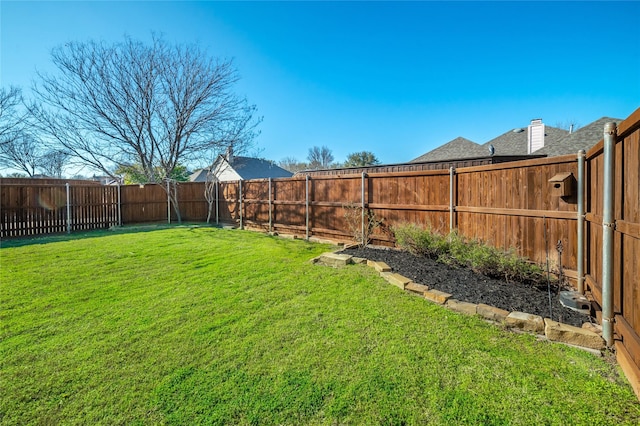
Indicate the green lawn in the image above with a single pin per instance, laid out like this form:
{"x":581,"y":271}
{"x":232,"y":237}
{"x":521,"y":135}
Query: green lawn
{"x":198,"y":325}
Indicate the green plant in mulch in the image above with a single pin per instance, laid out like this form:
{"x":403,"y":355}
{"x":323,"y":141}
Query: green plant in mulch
{"x":455,"y":250}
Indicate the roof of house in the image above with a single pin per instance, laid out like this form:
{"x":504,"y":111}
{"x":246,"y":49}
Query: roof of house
{"x":514,"y":142}
{"x":257,"y":168}
{"x":247,"y":168}
{"x":583,"y":138}
{"x":457,"y":148}
{"x":198,"y":176}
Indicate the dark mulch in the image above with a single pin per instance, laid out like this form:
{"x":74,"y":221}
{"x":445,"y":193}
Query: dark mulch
{"x":466,"y":285}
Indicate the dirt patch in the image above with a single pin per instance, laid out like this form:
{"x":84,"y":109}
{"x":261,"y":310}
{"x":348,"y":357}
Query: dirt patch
{"x":468,"y":286}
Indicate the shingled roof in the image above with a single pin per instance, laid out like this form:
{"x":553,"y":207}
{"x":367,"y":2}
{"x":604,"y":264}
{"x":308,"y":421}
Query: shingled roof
{"x":257,"y":168}
{"x":457,"y":148}
{"x":514,"y":142}
{"x":243,"y":168}
{"x":583,"y":138}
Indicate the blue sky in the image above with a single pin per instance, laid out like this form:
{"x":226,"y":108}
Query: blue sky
{"x":397,"y":79}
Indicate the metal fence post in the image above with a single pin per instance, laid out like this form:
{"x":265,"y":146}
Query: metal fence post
{"x":119,"y":206}
{"x":168,"y":203}
{"x":217,"y":203}
{"x":608,"y":224}
{"x":363,"y":205}
{"x":68,"y":209}
{"x":451,"y":193}
{"x":241,"y":206}
{"x":307,"y":205}
{"x":270,"y":209}
{"x":580,"y":251}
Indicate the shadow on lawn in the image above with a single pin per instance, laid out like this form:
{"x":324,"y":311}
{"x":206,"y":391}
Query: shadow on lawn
{"x":81,"y":235}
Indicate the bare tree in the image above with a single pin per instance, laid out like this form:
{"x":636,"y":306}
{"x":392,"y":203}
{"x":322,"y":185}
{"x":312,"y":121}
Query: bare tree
{"x":18,"y":150}
{"x":52,"y":163}
{"x":361,"y":159}
{"x":11,"y":118}
{"x":210,"y":194}
{"x":292,"y":164}
{"x":320,"y":157}
{"x":21,"y":152}
{"x":570,"y":125}
{"x":156,"y":105}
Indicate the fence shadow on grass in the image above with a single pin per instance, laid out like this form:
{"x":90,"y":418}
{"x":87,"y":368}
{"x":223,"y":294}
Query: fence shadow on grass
{"x":127,"y":229}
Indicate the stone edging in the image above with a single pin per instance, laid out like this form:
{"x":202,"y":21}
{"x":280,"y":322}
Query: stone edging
{"x":588,"y":337}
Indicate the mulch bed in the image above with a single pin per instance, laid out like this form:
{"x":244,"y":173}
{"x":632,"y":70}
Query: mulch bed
{"x":465,"y":285}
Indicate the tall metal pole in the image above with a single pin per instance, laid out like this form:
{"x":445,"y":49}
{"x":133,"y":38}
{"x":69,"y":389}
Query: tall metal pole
{"x":217,"y":203}
{"x":580,"y":253}
{"x":363,"y":205}
{"x":608,"y":223}
{"x":451,"y":173}
{"x":119,"y":205}
{"x":307,"y":206}
{"x":168,"y":203}
{"x":241,"y":206}
{"x":68,"y":209}
{"x":270,"y":209}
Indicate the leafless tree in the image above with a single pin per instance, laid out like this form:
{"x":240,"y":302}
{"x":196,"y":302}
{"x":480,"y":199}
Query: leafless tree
{"x":292,"y":164}
{"x":320,"y":157}
{"x":156,"y":105}
{"x":18,"y":149}
{"x":210,"y":186}
{"x":52,"y":163}
{"x":11,"y":118}
{"x":569,"y":125}
{"x":21,"y":152}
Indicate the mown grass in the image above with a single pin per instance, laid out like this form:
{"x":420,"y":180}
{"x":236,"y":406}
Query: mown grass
{"x":207,"y":326}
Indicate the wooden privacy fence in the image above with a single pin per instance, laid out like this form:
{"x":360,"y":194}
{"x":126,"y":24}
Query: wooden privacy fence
{"x":612,"y":269}
{"x":510,"y":205}
{"x":47,"y":209}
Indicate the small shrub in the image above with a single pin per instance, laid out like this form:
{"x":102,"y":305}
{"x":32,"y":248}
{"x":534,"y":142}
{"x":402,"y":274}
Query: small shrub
{"x":419,"y":241}
{"x":455,"y":250}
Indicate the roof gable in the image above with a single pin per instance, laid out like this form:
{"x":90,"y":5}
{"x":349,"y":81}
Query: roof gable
{"x":457,"y":148}
{"x":198,"y":176}
{"x":241,"y":168}
{"x":247,"y":168}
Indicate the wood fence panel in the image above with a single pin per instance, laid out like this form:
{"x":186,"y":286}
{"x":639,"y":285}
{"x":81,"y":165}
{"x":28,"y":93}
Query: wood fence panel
{"x":627,"y":239}
{"x":626,"y":269}
{"x":515,"y":208}
{"x":330,"y":200}
{"x":42,"y":209}
{"x":255,"y":194}
{"x":410,"y":198}
{"x":229,"y":201}
{"x":193,"y":205}
{"x":289,"y":197}
{"x":93,"y":207}
{"x":143,"y":203}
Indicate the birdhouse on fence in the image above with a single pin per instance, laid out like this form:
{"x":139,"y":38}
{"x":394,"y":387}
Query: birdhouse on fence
{"x":562,"y":184}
